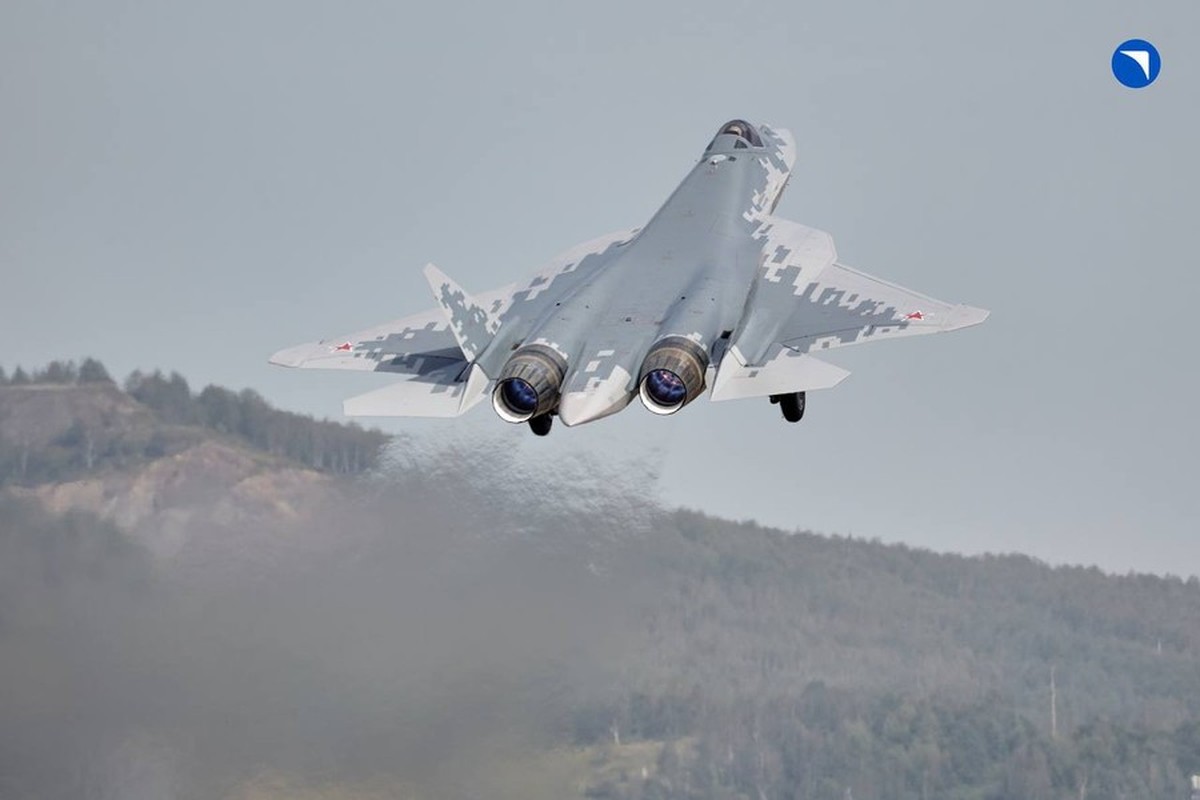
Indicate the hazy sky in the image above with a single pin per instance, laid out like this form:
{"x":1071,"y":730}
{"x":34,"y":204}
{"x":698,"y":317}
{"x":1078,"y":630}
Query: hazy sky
{"x":195,"y":185}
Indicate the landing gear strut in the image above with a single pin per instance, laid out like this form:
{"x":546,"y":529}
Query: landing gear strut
{"x":791,"y":404}
{"x":541,"y":425}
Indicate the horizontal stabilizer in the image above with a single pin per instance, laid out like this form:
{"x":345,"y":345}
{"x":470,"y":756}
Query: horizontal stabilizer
{"x":785,"y":373}
{"x":447,"y":397}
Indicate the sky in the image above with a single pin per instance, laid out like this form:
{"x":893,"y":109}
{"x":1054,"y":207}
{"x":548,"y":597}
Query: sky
{"x":195,"y":185}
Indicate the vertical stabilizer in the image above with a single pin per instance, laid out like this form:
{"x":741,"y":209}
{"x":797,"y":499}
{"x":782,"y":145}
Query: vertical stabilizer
{"x":473,"y":327}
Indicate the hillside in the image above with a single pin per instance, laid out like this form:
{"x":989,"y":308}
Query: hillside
{"x":195,"y":477}
{"x":189,"y":608}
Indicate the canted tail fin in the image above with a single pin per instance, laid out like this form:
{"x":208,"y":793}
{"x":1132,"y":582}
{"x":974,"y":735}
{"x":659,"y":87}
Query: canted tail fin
{"x":473,"y":327}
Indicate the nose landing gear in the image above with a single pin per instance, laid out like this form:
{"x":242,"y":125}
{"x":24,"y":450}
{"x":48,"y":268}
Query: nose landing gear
{"x":791,"y":404}
{"x":541,"y":425}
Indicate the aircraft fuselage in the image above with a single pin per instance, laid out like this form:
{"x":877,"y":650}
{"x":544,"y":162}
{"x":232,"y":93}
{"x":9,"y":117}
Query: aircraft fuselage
{"x":686,"y":273}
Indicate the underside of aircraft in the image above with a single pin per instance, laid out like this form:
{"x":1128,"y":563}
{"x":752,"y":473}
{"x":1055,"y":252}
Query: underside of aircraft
{"x":714,"y":292}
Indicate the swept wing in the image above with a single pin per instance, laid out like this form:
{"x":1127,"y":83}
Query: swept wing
{"x":433,"y":349}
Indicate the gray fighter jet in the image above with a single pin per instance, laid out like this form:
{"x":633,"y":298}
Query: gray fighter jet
{"x":713,"y":291}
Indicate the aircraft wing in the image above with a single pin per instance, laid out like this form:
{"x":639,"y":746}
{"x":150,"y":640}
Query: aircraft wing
{"x":414,"y":346}
{"x":434,"y":348}
{"x":804,"y":301}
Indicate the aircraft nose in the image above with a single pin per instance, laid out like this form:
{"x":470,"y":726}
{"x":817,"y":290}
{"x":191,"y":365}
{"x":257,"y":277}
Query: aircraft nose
{"x":599,"y":397}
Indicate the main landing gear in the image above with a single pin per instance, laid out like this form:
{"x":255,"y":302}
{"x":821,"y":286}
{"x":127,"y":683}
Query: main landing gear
{"x":541,"y":425}
{"x":791,"y":404}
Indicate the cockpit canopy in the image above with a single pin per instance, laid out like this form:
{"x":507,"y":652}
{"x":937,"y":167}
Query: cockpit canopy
{"x":745,"y":135}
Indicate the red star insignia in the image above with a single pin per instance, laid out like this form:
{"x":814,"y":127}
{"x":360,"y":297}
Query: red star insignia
{"x":343,"y":347}
{"x":917,"y":315}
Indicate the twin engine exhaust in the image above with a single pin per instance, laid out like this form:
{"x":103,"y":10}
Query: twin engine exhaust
{"x":529,"y":384}
{"x":672,"y":374}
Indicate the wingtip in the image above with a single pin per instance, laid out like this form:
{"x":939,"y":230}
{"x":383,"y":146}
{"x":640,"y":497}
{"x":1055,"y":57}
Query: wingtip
{"x":308,"y":354}
{"x":288,"y":357}
{"x":966,"y":316}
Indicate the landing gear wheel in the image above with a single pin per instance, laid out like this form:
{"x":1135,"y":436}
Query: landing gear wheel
{"x":792,"y":406}
{"x":541,"y":425}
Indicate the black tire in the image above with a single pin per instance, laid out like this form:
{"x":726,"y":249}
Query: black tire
{"x":792,"y":406}
{"x":541,"y":425}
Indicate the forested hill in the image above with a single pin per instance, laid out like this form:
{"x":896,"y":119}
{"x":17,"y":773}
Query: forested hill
{"x":64,"y":420}
{"x":200,"y":597}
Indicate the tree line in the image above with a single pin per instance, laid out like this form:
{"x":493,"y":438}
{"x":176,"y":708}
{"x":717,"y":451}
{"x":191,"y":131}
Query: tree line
{"x":100,"y":438}
{"x":829,"y":744}
{"x":61,"y":373}
{"x":334,"y":447}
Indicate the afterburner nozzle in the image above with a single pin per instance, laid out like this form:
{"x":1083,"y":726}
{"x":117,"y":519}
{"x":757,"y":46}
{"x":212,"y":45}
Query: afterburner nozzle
{"x":529,"y":384}
{"x":672,"y":374}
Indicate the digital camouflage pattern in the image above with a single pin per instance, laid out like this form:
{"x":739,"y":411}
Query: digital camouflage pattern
{"x":757,"y":295}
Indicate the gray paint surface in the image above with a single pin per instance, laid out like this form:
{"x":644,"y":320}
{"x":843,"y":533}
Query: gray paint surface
{"x":185,"y":184}
{"x":748,"y":291}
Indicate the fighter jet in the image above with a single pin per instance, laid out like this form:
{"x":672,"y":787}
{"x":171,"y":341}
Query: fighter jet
{"x":714,"y":291}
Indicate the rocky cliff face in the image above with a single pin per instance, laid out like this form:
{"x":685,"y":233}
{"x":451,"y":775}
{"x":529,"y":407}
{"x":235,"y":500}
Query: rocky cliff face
{"x":189,"y":495}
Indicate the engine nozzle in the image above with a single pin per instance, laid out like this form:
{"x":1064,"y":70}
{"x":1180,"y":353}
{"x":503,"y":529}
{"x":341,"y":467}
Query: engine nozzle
{"x":672,"y":374}
{"x":529,"y":384}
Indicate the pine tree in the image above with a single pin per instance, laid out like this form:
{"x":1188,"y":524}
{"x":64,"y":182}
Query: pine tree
{"x":57,"y":372}
{"x":92,"y":371}
{"x":170,"y":397}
